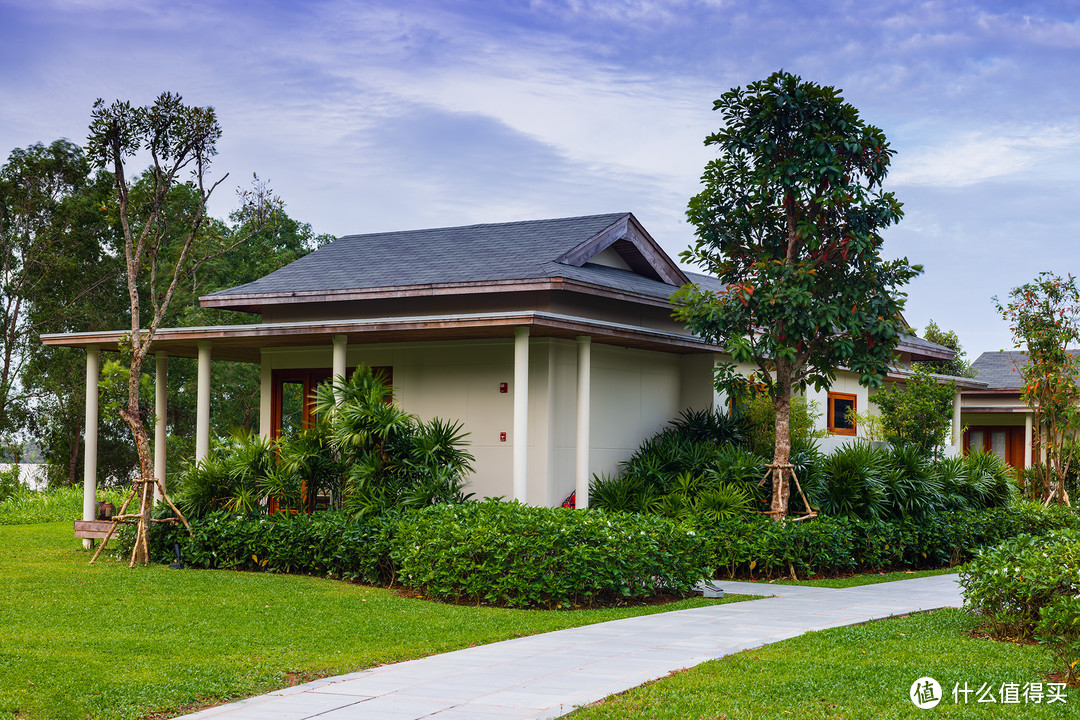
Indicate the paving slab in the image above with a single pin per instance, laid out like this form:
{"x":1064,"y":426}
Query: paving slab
{"x":549,"y":675}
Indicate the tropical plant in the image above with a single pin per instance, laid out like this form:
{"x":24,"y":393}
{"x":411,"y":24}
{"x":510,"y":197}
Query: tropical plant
{"x":851,"y":482}
{"x":620,"y":493}
{"x":391,"y":458}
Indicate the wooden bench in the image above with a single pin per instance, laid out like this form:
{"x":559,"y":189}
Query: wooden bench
{"x":93,"y":529}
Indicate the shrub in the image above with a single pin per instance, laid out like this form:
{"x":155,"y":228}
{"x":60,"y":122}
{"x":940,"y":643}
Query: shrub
{"x":510,"y":554}
{"x":918,"y":413}
{"x":1010,"y":584}
{"x":754,"y":546}
{"x":330,"y":544}
{"x":1059,"y":629}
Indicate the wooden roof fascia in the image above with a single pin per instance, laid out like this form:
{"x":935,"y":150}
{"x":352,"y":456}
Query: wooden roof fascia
{"x":254,"y":303}
{"x":245,"y":339}
{"x":638,"y":248}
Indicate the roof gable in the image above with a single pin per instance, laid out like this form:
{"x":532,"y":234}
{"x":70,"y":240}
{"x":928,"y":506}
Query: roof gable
{"x":634,"y":245}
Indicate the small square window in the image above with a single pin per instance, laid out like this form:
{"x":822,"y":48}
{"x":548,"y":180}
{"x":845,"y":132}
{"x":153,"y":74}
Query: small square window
{"x":842,"y":409}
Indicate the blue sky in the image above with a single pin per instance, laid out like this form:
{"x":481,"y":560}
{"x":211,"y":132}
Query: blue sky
{"x":369,"y":116}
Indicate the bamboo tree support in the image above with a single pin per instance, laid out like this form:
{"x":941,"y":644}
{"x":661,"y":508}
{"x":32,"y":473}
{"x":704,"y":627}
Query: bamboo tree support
{"x":138,"y":486}
{"x":787,"y":469}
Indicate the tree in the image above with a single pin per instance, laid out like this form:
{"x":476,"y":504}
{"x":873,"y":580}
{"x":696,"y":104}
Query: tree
{"x":789,"y":221}
{"x":160,"y":247}
{"x":958,"y":366}
{"x":1044,"y":317}
{"x":34,"y":184}
{"x":918,"y":413}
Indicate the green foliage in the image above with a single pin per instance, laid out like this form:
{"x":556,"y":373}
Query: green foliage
{"x":510,"y":554}
{"x":1059,"y":629}
{"x":328,"y":544}
{"x":761,"y":416}
{"x":365,"y":454}
{"x":391,"y":458}
{"x":752,"y":546}
{"x":41,"y":506}
{"x":917,"y":413}
{"x":238,"y":475}
{"x":851,"y":482}
{"x":1009,"y":584}
{"x":10,"y":482}
{"x":861,"y":480}
{"x":710,"y":426}
{"x":696,"y":465}
{"x":789,"y":223}
{"x":958,"y":366}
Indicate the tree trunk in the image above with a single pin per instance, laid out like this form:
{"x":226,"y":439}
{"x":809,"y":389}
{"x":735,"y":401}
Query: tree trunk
{"x":133,"y":417}
{"x":781,"y":456}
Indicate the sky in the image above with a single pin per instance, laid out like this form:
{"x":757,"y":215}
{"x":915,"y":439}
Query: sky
{"x":395,"y":115}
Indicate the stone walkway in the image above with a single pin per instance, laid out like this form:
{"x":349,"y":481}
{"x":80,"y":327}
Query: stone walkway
{"x":548,"y":675}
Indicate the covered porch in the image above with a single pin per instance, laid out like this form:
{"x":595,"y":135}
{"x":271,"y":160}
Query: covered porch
{"x":547,"y":397}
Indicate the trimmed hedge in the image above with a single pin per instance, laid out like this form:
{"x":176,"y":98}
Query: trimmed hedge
{"x":511,"y":554}
{"x":748,"y":547}
{"x":491,"y":552}
{"x":330,"y":544}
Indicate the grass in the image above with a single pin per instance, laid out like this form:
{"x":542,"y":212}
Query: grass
{"x":854,"y":673}
{"x":107,"y":642}
{"x":867,"y":578}
{"x":64,"y":504}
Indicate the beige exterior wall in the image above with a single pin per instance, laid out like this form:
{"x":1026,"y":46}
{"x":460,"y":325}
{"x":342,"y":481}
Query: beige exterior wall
{"x":634,"y":394}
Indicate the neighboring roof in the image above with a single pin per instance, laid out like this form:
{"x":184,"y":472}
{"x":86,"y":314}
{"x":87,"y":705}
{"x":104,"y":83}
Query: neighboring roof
{"x":1001,"y":370}
{"x":481,"y":255}
{"x":924,"y":349}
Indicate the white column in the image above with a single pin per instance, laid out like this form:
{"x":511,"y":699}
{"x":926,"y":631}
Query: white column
{"x":202,"y":405}
{"x":584,"y":417}
{"x":521,"y":412}
{"x":339,"y":360}
{"x":90,"y":438}
{"x":266,"y":377}
{"x":1029,"y":431}
{"x":957,"y":436}
{"x":160,"y":411}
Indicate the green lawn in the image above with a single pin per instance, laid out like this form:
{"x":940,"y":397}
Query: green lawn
{"x":107,"y":642}
{"x":861,"y":672}
{"x":865,"y":579}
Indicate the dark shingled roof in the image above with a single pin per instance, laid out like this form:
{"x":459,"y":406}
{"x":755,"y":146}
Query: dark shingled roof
{"x":996,"y":369}
{"x":474,"y":253}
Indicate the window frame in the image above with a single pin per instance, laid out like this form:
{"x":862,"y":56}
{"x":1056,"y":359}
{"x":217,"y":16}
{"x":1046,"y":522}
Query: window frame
{"x":832,"y":397}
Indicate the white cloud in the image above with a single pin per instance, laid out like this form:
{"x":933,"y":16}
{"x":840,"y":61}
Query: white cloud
{"x":975,"y":157}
